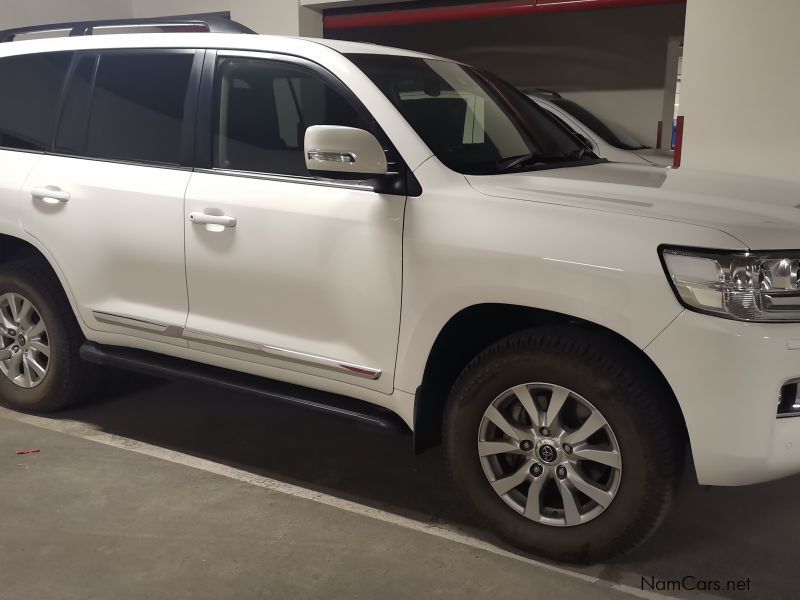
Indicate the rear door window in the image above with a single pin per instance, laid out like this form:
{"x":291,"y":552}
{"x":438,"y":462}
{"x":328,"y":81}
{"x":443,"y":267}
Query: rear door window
{"x":138,"y":106}
{"x":30,"y":90}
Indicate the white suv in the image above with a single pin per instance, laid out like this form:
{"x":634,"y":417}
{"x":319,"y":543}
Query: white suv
{"x":406,"y":241}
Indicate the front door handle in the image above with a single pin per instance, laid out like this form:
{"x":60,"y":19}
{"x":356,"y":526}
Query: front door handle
{"x":199,"y":218}
{"x":50,"y":194}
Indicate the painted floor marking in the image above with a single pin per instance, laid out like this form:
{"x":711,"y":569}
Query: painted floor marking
{"x":441,"y":530}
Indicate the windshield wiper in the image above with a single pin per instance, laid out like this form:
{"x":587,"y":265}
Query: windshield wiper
{"x":533,"y":158}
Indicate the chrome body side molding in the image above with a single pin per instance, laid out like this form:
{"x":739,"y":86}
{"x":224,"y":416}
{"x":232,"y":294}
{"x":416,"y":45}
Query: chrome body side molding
{"x":137,"y":323}
{"x":221,"y":340}
{"x":293,"y":356}
{"x":322,"y":362}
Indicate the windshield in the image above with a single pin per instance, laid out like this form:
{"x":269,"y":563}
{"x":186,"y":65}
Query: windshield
{"x":611,"y":132}
{"x":473,"y":122}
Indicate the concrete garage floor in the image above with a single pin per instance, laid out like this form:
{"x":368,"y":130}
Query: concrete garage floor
{"x":196,"y":493}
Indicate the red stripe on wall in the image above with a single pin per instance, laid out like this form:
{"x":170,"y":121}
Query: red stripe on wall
{"x":471,"y":12}
{"x":678,"y":143}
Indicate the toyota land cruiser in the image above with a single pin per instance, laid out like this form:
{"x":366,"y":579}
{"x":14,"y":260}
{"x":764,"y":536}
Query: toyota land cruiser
{"x":406,"y":241}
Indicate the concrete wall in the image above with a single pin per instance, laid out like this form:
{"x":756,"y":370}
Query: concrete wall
{"x":281,"y":17}
{"x":284,"y":17}
{"x":17,"y":13}
{"x":740,"y":87}
{"x":612,"y":61}
{"x":159,"y":8}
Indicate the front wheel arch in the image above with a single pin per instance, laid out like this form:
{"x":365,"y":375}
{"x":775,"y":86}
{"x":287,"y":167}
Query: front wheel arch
{"x":475,"y":328}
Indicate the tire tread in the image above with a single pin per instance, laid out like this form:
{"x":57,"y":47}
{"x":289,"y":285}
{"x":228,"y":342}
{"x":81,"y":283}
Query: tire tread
{"x":646,"y":399}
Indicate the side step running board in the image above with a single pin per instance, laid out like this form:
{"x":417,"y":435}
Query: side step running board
{"x":168,"y":367}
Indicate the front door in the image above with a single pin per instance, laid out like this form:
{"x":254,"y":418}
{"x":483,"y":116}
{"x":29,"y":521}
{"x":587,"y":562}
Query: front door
{"x":285,"y":270}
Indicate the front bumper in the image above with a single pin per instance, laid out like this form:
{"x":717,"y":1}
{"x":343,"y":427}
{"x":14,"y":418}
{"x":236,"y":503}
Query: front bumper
{"x":727,"y":377}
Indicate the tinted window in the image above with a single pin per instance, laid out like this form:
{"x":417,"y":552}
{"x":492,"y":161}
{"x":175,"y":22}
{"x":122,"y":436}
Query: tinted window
{"x":263,"y":110}
{"x":30,"y":89}
{"x":138,"y":106}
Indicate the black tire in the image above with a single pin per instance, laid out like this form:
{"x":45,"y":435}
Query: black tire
{"x":68,"y":379}
{"x":640,"y":412}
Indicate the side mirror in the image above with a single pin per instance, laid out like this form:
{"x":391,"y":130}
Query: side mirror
{"x":343,"y":153}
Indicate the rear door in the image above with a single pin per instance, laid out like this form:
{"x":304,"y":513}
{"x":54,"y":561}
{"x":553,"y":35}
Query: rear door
{"x":108,"y":201}
{"x":30,"y":85}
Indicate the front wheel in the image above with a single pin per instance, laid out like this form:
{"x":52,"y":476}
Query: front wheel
{"x":563,"y":444}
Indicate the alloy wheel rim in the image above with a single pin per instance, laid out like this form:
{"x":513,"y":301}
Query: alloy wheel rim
{"x":24,"y":342}
{"x":550,"y":454}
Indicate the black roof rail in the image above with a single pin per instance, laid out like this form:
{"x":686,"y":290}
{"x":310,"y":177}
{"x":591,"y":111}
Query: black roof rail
{"x":82,"y":28}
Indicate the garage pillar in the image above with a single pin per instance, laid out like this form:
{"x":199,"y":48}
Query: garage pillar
{"x":739,"y":87}
{"x":674,"y":52}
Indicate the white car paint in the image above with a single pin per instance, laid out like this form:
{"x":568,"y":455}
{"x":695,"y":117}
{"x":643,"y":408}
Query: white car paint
{"x":141,"y":267}
{"x":282,"y":281}
{"x":579,"y":241}
{"x":601,"y":147}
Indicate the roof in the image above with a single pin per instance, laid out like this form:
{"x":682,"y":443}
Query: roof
{"x":346,"y":47}
{"x":306,"y":47}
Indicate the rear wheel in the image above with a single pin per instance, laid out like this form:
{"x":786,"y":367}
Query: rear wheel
{"x":40,"y":370}
{"x":25,"y":352}
{"x":564,"y":444}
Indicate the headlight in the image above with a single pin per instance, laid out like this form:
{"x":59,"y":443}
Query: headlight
{"x":748,"y":286}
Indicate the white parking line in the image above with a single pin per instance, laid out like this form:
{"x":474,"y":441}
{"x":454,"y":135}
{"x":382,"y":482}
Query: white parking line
{"x":444,"y":531}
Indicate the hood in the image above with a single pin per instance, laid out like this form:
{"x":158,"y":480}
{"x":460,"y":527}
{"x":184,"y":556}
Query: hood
{"x":763,"y":214}
{"x":660,"y":158}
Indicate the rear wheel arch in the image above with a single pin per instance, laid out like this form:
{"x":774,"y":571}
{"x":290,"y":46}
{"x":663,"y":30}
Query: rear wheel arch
{"x":41,"y":368}
{"x":475,"y":328}
{"x":15,"y":249}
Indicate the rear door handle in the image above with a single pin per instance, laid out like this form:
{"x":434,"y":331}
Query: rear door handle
{"x":199,"y":218}
{"x":50,"y":194}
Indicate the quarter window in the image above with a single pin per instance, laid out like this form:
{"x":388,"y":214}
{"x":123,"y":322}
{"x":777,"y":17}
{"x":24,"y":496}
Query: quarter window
{"x":138,"y":106}
{"x":30,"y":88}
{"x":263,"y":110}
